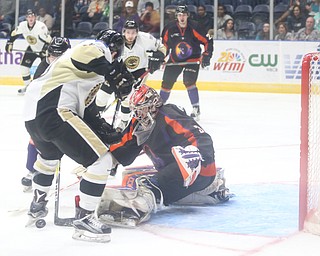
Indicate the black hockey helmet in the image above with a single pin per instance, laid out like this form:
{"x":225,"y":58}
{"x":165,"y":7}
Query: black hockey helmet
{"x":182,"y":9}
{"x":112,"y":39}
{"x":131,"y":24}
{"x":58,"y":46}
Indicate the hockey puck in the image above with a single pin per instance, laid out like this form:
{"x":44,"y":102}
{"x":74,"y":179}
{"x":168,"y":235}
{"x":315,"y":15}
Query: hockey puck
{"x":40,"y":223}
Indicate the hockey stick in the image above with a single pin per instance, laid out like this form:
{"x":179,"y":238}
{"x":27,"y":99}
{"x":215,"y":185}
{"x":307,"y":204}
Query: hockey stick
{"x":181,"y":63}
{"x":18,"y":50}
{"x":57,"y":220}
{"x":116,"y":112}
{"x":111,"y":104}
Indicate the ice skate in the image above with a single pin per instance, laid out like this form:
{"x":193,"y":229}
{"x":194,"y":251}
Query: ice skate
{"x":22,"y":91}
{"x":196,"y":113}
{"x":38,"y":209}
{"x":88,"y":228}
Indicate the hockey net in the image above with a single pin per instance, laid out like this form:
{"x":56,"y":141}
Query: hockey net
{"x":309,"y":205}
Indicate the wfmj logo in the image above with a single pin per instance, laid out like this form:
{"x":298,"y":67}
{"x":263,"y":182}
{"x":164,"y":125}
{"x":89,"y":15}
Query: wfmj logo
{"x":231,"y":60}
{"x":292,"y":68}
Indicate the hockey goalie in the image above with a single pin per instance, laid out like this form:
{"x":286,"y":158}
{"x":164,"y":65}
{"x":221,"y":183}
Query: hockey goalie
{"x":182,"y":155}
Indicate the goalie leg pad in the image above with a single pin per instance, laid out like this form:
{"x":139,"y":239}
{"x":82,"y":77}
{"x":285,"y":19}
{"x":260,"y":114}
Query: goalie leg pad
{"x":126,"y":207}
{"x":214,"y":194}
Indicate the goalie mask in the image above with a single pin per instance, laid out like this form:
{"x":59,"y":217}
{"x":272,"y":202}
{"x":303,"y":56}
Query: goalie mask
{"x":112,"y":39}
{"x":144,"y":104}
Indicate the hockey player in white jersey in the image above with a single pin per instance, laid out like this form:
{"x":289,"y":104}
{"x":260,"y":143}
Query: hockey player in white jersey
{"x":62,"y":119}
{"x":38,"y":38}
{"x":142,"y":54}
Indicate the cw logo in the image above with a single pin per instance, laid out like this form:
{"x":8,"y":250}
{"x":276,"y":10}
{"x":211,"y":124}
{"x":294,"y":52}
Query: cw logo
{"x":262,"y":60}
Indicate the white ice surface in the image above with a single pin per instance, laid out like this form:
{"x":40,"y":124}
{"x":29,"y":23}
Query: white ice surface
{"x":256,"y":138}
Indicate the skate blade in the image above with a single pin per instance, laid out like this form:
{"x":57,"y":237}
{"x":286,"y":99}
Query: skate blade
{"x":125,"y":222}
{"x":87,"y":236}
{"x":32,"y":221}
{"x":27,"y":189}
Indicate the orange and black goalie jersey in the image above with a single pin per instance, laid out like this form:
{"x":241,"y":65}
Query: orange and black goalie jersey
{"x":173,"y":127}
{"x":185,"y":43}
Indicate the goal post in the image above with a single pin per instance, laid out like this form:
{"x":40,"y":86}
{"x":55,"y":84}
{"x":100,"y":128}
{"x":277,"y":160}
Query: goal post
{"x":309,"y":187}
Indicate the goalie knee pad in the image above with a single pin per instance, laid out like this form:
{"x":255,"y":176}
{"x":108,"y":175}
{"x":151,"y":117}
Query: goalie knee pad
{"x":215,"y":193}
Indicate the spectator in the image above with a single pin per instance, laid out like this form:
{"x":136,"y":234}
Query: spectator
{"x":68,"y":22}
{"x":35,"y":5}
{"x":95,"y":10}
{"x":4,"y":31}
{"x":227,"y":31}
{"x":222,"y":16}
{"x":7,"y":11}
{"x":130,"y":14}
{"x":305,"y":8}
{"x":80,"y":3}
{"x":308,"y":33}
{"x":142,"y":5}
{"x":283,"y":33}
{"x":46,"y":18}
{"x":296,"y":20}
{"x":315,"y":6}
{"x":203,"y":18}
{"x":264,"y":33}
{"x":150,"y":19}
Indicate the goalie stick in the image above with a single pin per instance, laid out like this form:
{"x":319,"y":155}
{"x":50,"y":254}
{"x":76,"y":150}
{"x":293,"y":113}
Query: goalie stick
{"x":57,"y":220}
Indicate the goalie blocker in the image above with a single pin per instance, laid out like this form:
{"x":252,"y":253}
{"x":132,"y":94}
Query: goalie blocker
{"x":139,"y":196}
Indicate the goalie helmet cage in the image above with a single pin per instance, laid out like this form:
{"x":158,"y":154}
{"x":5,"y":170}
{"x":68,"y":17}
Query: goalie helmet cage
{"x":309,"y":187}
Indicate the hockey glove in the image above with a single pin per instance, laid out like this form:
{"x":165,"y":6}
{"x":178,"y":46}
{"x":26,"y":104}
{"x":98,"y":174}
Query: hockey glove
{"x":155,"y":61}
{"x":44,"y":51}
{"x":125,"y":86}
{"x":107,"y":133}
{"x":114,"y":74}
{"x":9,"y":47}
{"x":205,"y":62}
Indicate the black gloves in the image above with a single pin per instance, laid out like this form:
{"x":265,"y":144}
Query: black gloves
{"x":108,"y":134}
{"x":205,"y":62}
{"x":104,"y":130}
{"x":155,"y":61}
{"x":120,"y":80}
{"x":44,"y":51}
{"x":9,"y":47}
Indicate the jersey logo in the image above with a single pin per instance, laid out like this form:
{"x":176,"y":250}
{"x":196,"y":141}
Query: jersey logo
{"x":132,"y":62}
{"x":183,"y":50}
{"x":31,"y":40}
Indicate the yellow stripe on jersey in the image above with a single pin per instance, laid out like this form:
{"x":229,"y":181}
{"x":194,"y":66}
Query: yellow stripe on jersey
{"x":84,"y":131}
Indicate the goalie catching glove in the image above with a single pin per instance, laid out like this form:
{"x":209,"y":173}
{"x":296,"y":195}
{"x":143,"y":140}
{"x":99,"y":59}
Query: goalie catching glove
{"x":155,"y":60}
{"x":189,"y":162}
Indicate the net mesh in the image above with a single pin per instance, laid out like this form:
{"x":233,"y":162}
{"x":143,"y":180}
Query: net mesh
{"x":313,"y":165}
